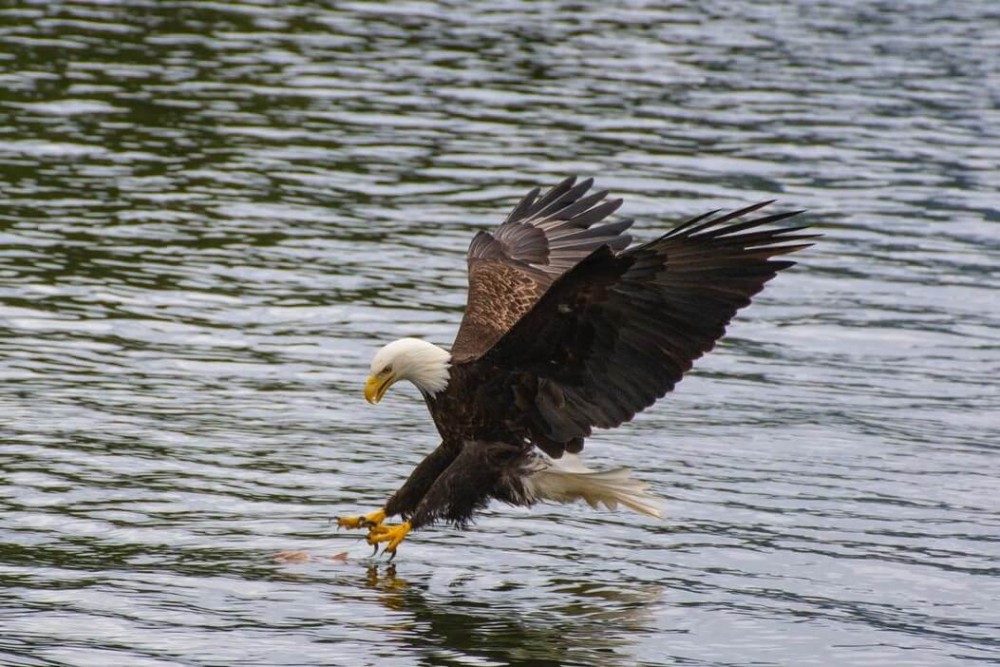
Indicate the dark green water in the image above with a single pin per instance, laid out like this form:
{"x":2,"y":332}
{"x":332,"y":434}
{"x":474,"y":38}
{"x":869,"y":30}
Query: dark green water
{"x":211,"y":215}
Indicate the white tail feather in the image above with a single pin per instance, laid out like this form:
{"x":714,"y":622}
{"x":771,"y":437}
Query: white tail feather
{"x":566,"y":480}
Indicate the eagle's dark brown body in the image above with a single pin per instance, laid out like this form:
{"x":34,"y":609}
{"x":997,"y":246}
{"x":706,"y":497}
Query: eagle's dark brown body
{"x":567,"y":329}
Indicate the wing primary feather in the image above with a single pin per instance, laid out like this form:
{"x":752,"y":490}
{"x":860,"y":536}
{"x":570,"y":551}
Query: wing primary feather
{"x":582,"y":204}
{"x":716,"y":231}
{"x":684,"y":226}
{"x":713,"y":222}
{"x":782,"y":234}
{"x":731,"y":230}
{"x":523,"y":206}
{"x":565,"y":199}
{"x":739,"y":213}
{"x":610,"y":229}
{"x":557,"y":191}
{"x":597,"y":213}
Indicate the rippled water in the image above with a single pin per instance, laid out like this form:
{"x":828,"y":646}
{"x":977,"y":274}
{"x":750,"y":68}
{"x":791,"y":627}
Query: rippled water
{"x":213,"y":213}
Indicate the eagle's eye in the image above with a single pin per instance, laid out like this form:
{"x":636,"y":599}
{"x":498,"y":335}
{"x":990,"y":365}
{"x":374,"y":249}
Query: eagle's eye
{"x":386,"y":370}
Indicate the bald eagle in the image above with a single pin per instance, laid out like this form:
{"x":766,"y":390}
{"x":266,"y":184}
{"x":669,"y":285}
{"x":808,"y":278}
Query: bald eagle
{"x":567,"y":328}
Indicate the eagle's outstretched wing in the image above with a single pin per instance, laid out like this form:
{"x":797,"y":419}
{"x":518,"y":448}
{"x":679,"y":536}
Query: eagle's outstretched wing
{"x":541,"y":239}
{"x":617,"y":331}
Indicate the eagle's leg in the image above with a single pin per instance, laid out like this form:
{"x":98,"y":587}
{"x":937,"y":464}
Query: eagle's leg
{"x":371,"y":520}
{"x":406,"y":499}
{"x":465,"y":486}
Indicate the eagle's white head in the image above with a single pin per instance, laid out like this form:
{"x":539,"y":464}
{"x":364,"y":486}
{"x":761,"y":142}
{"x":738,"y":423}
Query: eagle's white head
{"x":420,"y":362}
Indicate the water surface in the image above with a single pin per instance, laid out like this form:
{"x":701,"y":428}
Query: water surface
{"x":213,"y":213}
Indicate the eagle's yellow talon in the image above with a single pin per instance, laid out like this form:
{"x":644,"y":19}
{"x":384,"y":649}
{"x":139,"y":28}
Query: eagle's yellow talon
{"x":394,"y":535}
{"x":371,"y":520}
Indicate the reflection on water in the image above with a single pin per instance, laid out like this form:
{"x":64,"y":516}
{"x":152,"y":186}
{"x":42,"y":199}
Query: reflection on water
{"x":579,"y":624}
{"x":212,"y":213}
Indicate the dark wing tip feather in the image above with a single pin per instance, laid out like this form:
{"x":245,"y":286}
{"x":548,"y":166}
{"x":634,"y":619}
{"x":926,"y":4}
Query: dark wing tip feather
{"x":556,"y":205}
{"x":788,"y":249}
{"x":558,"y":190}
{"x":523,"y":206}
{"x":688,"y":224}
{"x":708,"y":220}
{"x":596,"y":213}
{"x":583,"y":204}
{"x":719,"y":228}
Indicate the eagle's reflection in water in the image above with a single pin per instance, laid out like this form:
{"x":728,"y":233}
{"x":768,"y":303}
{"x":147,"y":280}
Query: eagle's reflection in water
{"x":570,"y":623}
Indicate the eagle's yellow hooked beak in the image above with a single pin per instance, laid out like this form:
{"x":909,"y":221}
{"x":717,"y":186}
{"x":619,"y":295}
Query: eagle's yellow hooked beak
{"x":376,"y":387}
